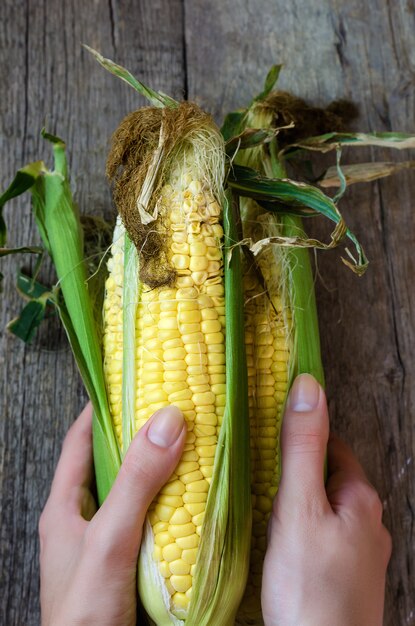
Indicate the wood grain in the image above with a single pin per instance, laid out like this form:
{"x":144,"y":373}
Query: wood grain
{"x":217,"y":53}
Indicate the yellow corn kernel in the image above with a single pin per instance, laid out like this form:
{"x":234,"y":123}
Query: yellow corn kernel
{"x":191,"y":477}
{"x":170,"y":501}
{"x":179,"y":567}
{"x":163,"y":539}
{"x":181,"y":515}
{"x":175,"y":488}
{"x":164,"y":512}
{"x":181,"y":583}
{"x":180,"y":600}
{"x":171,"y":552}
{"x":181,"y":530}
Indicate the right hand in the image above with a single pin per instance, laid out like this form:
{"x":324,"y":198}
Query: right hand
{"x":328,"y":550}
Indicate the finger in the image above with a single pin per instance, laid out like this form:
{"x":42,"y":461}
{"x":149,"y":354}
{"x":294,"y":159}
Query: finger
{"x":74,"y":471}
{"x":303,"y":447}
{"x":148,"y":464}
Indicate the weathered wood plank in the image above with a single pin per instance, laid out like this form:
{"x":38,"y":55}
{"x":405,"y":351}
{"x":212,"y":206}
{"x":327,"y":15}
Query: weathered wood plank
{"x":47,"y":78}
{"x":363,"y":52}
{"x":330,"y":50}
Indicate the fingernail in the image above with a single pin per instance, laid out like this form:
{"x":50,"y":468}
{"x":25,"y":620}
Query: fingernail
{"x":304,"y":394}
{"x":166,"y":426}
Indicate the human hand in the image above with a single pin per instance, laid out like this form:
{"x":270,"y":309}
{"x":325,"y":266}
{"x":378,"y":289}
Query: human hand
{"x":88,"y":558}
{"x":328,"y":550}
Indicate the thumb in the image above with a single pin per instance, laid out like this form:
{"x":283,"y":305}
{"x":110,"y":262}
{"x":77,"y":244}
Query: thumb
{"x":148,"y":464}
{"x":305,"y":434}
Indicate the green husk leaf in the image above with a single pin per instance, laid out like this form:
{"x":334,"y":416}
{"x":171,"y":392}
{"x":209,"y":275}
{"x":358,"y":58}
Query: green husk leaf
{"x":270,"y":82}
{"x":56,"y":210}
{"x":248,"y":183}
{"x":77,"y":352}
{"x":106,"y":463}
{"x":23,"y":181}
{"x":248,"y":139}
{"x":341,"y":177}
{"x":25,"y":325}
{"x":363,"y":172}
{"x":330,"y":141}
{"x":157,"y":99}
{"x":58,"y":221}
{"x":21,"y":249}
{"x":56,"y":140}
{"x":30,"y":288}
{"x":131,"y":296}
{"x":233,"y":124}
{"x":32,"y":315}
{"x":306,"y":349}
{"x":223,"y":556}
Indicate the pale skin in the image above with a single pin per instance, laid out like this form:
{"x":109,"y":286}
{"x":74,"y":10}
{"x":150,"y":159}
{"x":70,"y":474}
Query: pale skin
{"x":328,"y":550}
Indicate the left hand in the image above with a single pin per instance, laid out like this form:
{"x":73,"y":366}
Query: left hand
{"x":88,"y":558}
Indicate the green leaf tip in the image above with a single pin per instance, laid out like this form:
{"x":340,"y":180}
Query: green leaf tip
{"x":270,"y":82}
{"x":233,"y":123}
{"x":24,"y":180}
{"x":156,"y":98}
{"x":26,"y":324}
{"x":52,"y":138}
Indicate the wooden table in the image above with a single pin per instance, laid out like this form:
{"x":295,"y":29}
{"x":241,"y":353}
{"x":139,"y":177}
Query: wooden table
{"x":216,"y":53}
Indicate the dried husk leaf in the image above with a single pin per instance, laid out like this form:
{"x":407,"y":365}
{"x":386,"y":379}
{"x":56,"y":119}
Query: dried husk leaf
{"x":363,"y":172}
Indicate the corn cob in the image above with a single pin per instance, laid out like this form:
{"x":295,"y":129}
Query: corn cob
{"x":279,"y":305}
{"x":180,"y":360}
{"x":177,"y":331}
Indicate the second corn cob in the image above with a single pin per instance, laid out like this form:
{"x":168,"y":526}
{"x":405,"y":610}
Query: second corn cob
{"x":280,"y":301}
